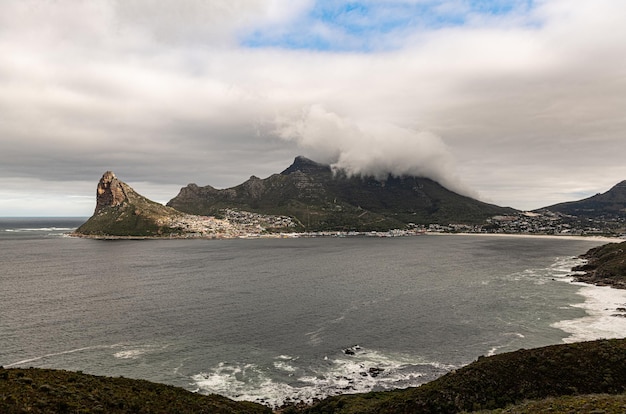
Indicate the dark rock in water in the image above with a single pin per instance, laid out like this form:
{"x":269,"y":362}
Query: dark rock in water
{"x":352,"y":350}
{"x":375,"y":371}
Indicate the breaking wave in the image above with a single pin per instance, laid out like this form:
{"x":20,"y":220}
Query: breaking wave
{"x":354,"y":370}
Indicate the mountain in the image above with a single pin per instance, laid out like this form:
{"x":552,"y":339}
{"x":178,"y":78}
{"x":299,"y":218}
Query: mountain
{"x":611,"y":204}
{"x":322,"y":199}
{"x":120,"y":211}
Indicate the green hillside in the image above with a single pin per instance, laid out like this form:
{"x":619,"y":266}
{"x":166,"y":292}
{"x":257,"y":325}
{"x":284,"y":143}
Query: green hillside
{"x":611,"y":204}
{"x":322,"y":199}
{"x":586,"y":377}
{"x":120,"y":211}
{"x":503,"y":380}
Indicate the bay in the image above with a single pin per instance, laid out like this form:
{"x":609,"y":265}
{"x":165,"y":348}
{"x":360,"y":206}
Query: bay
{"x":279,"y":320}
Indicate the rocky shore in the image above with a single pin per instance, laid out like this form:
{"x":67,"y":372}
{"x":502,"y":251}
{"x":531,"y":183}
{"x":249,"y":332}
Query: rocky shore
{"x":606,"y":266}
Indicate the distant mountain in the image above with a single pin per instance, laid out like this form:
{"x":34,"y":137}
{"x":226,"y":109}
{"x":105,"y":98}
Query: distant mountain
{"x":322,"y":199}
{"x":611,"y":204}
{"x":120,"y":211}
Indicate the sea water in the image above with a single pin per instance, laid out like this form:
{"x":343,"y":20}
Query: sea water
{"x":285,"y":320}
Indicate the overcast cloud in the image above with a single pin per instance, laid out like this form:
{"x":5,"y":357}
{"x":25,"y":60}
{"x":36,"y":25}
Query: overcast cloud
{"x":519,"y":103}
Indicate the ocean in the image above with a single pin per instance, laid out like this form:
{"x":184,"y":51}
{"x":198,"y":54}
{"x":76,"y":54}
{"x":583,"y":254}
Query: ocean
{"x":288,"y":320}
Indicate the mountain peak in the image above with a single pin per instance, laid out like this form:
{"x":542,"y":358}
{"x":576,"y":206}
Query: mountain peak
{"x":120,"y":211}
{"x":619,"y":186}
{"x":110,"y":192}
{"x":319,"y":200}
{"x":305,"y":165}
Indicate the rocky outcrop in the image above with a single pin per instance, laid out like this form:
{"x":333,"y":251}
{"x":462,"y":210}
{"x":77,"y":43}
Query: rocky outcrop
{"x":120,"y":211}
{"x":110,"y":192}
{"x":606,"y":266}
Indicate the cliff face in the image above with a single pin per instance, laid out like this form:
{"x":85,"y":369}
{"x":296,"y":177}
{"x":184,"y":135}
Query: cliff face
{"x":120,"y":211}
{"x":323,"y":199}
{"x":110,"y":192}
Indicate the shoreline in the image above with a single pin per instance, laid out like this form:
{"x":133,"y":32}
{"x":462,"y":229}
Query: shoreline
{"x":601,"y":239}
{"x":343,"y":234}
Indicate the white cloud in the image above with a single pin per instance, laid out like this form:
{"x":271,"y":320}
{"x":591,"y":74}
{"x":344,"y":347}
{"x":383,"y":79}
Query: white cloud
{"x":371,"y":148}
{"x":520,"y":106}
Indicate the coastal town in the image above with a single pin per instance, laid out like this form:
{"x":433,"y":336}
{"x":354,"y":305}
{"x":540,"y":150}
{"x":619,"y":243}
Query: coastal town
{"x":544,"y":222}
{"x":243,"y":224}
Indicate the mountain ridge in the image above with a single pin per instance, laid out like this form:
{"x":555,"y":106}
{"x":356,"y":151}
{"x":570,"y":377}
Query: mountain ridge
{"x":321,"y":198}
{"x":610,"y":204}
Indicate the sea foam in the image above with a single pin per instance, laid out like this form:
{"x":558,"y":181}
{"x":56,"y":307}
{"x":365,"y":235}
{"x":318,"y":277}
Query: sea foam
{"x":355,"y":370}
{"x":604,"y":318}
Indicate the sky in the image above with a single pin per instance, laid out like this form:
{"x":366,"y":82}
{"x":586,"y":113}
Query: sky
{"x":516,"y":103}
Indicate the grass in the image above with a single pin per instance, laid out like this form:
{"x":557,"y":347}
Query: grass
{"x":55,"y":391}
{"x":585,"y":377}
{"x":500,"y":381}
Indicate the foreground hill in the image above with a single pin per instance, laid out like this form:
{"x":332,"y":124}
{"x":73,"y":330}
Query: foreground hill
{"x":556,"y":379}
{"x":611,"y":204}
{"x":510,"y":378}
{"x":322,"y":199}
{"x":606,"y":265}
{"x":54,"y":391}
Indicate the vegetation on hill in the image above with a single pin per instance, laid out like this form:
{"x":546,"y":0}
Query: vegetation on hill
{"x":120,"y":211}
{"x":54,"y":391}
{"x":611,"y":204}
{"x":582,"y":377}
{"x":502,"y":380}
{"x":322,"y":199}
{"x":606,"y":265}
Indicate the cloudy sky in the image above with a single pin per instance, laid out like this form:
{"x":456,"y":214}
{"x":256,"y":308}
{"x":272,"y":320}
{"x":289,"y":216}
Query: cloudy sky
{"x":518,"y":103}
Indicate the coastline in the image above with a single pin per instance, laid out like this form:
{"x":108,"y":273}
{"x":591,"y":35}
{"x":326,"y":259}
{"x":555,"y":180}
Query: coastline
{"x":600,"y":239}
{"x":295,"y":235}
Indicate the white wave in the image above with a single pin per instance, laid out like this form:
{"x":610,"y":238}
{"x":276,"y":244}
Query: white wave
{"x":284,"y":366}
{"x":28,"y":229}
{"x":130,"y":354}
{"x":603,"y":319}
{"x":363,"y":371}
{"x":494,"y":350}
{"x":50,"y":355}
{"x":561,"y":269}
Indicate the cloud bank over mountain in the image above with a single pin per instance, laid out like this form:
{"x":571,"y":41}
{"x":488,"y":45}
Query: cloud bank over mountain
{"x":371,"y":149}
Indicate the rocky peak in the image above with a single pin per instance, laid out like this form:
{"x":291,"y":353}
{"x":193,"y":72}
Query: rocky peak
{"x":110,"y":192}
{"x":306,"y":165}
